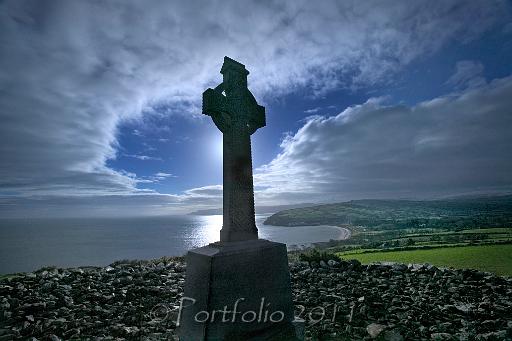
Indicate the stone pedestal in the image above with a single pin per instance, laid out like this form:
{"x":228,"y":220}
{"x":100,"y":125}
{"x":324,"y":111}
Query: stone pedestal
{"x":237,"y":291}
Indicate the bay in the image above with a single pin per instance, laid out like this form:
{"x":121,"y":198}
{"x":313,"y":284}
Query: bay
{"x":29,"y":244}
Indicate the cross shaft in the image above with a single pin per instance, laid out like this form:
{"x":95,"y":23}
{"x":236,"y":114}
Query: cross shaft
{"x":237,"y":115}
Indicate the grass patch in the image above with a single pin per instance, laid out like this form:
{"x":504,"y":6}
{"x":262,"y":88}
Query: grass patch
{"x":492,"y":258}
{"x":500,"y":230}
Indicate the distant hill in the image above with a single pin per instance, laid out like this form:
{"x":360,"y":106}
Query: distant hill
{"x":396,"y":214}
{"x":258,"y":209}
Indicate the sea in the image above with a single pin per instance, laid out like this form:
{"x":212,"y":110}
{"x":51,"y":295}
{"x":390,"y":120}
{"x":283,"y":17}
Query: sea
{"x":29,"y":244}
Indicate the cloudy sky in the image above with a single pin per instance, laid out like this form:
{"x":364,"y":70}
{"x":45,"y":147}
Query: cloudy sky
{"x":100,"y":102}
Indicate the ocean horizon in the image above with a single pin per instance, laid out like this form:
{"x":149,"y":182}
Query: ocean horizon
{"x":29,"y":244}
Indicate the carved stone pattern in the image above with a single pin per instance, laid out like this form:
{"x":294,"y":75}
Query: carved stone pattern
{"x":237,"y":115}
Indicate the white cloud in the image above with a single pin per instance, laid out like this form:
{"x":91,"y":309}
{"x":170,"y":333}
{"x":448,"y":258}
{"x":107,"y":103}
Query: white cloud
{"x":318,"y":109}
{"x":468,"y":74}
{"x":155,"y":178}
{"x":459,"y":143}
{"x":454,"y":144}
{"x":126,"y":205}
{"x":164,"y":175}
{"x":143,"y":157}
{"x":312,"y":110}
{"x":72,"y":71}
{"x":214,"y":191}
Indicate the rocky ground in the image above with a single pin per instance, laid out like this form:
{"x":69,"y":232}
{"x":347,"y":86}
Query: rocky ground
{"x":338,"y":300}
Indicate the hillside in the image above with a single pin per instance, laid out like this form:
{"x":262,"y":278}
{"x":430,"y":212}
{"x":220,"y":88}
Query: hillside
{"x":402,"y":214}
{"x":258,"y":209}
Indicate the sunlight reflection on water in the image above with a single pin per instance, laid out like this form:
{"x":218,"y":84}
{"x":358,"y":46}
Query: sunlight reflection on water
{"x":27,"y":244}
{"x":208,"y":228}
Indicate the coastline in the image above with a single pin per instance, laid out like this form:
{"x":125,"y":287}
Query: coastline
{"x":345,"y":233}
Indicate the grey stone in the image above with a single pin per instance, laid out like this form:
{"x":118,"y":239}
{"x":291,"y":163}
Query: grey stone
{"x":393,"y":335}
{"x":252,"y":273}
{"x":441,"y":336}
{"x":464,"y":308}
{"x":374,"y":329}
{"x":413,"y":303}
{"x":399,"y":267}
{"x":332,"y":263}
{"x":7,"y":337}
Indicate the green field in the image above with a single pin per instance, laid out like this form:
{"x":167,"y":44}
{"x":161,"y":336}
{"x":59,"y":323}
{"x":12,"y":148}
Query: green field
{"x":492,"y":258}
{"x":490,"y":230}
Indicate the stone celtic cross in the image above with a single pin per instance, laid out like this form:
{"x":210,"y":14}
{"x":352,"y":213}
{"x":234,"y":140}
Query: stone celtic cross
{"x":237,"y":115}
{"x":241,"y":268}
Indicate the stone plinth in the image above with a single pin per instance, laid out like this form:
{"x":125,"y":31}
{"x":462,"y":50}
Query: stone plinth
{"x":237,"y":291}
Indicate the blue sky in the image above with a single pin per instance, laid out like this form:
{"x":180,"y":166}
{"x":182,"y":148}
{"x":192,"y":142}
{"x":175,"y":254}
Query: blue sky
{"x":101,"y":102}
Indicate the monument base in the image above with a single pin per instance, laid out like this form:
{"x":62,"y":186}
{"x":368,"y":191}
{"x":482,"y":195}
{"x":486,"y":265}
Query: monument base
{"x":237,"y":291}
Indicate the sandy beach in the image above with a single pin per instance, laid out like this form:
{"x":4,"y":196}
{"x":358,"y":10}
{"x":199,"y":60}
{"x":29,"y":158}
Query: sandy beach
{"x":344,"y":233}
